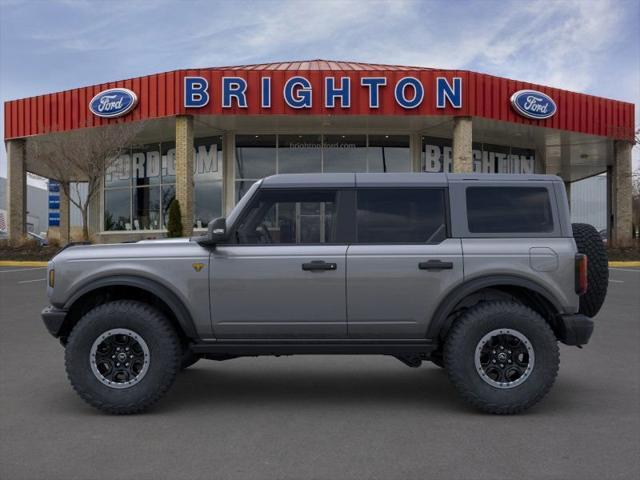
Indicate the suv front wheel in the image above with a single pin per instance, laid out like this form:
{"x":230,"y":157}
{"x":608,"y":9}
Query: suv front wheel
{"x":502,"y":357}
{"x":122,"y":356}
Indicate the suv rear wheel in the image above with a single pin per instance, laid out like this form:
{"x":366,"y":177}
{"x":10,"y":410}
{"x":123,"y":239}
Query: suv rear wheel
{"x":502,"y":357}
{"x":122,"y":356}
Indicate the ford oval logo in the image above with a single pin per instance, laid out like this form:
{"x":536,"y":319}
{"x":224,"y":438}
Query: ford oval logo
{"x":114,"y":102}
{"x":533,"y":104}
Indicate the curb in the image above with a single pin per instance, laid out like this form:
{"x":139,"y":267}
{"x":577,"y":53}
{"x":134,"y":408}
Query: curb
{"x":625,"y":264}
{"x":20,"y":263}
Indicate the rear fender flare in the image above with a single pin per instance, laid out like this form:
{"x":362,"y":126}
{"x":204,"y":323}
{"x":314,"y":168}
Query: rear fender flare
{"x":440,"y":321}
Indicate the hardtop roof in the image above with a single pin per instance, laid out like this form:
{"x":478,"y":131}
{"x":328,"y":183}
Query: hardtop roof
{"x":346,"y":180}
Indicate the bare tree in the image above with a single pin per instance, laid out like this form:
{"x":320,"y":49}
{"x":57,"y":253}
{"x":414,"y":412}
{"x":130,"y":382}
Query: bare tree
{"x":82,"y":156}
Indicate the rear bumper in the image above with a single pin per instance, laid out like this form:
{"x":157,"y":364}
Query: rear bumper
{"x":53,"y":319}
{"x":574,"y":329}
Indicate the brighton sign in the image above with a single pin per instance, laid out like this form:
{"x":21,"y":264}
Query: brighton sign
{"x":533,"y":104}
{"x":113,"y":103}
{"x":408,"y":92}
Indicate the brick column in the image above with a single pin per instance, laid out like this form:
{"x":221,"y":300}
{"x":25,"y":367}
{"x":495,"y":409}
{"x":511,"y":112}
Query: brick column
{"x":462,"y":149}
{"x":16,"y":190}
{"x":228,"y":172}
{"x":621,"y":186}
{"x":184,"y":171}
{"x":65,"y":217}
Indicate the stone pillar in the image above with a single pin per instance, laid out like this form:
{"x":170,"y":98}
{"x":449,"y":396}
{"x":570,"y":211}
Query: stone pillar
{"x":228,"y":172}
{"x":415,"y":147}
{"x":184,"y":171}
{"x":621,"y":186}
{"x":65,"y":216}
{"x":462,"y":145}
{"x":16,"y":190}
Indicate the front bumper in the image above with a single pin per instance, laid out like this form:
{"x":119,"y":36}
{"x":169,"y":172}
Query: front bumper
{"x":574,"y":329}
{"x":53,"y":319}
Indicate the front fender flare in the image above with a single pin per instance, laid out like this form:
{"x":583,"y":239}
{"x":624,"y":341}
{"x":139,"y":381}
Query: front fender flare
{"x":177,"y":307}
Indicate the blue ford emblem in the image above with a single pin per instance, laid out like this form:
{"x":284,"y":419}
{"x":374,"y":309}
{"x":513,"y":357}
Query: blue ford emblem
{"x":533,"y":104}
{"x":114,"y":102}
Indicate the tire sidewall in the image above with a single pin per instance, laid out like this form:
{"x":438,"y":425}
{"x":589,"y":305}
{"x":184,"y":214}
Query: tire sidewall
{"x":461,"y":356}
{"x":134,"y":316}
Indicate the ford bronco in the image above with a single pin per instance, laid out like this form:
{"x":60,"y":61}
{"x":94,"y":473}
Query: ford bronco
{"x":479,"y":274}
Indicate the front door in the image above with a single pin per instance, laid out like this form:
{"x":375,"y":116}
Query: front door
{"x":401,"y":263}
{"x":284,"y":276}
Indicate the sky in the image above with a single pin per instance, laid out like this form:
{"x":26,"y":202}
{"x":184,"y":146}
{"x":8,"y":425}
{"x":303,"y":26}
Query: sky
{"x":582,"y":45}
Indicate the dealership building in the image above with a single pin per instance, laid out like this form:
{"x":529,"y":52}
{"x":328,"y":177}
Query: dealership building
{"x":208,"y":134}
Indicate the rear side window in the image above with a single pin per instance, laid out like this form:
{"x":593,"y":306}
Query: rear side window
{"x":509,"y":210}
{"x":387,"y":215}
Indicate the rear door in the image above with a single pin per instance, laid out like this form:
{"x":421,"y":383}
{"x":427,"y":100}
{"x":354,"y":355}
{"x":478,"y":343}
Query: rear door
{"x":401,"y":262}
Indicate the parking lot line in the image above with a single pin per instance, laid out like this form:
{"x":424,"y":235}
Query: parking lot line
{"x":22,"y":269}
{"x":36,"y":280}
{"x":637,"y":270}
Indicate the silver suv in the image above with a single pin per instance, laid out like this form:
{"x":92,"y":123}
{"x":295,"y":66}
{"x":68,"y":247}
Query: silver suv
{"x":479,"y":274}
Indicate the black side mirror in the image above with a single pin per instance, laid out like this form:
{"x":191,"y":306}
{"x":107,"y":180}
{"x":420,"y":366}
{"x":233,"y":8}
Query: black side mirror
{"x":217,"y":230}
{"x":216,"y":233}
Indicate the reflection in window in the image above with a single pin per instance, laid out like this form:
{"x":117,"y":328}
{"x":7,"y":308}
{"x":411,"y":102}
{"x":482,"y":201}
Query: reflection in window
{"x":414,"y":215}
{"x":291,"y":217}
{"x":117,"y":214}
{"x":207,"y":180}
{"x":255,"y":156}
{"x":146,"y":208}
{"x":509,"y":210}
{"x":345,"y":153}
{"x":388,"y":153}
{"x":148,"y":175}
{"x":299,"y":153}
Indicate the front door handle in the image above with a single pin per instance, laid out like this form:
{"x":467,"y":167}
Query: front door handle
{"x":319,"y":265}
{"x":435,"y":265}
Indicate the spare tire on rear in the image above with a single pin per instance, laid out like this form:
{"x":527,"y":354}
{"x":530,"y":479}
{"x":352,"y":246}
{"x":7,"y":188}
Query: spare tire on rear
{"x":590,"y":243}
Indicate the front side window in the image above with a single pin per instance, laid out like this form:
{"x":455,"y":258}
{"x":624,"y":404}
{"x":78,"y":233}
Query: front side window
{"x":289,"y":217}
{"x":509,"y":210}
{"x":387,"y":215}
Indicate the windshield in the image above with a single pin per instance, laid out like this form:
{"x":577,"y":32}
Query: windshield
{"x":233,"y":215}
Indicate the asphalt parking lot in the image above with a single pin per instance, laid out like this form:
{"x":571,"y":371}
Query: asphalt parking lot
{"x":318,"y":417}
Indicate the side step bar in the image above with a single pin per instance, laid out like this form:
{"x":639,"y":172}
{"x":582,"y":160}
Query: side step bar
{"x":313,"y":347}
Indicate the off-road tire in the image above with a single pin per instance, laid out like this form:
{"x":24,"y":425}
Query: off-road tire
{"x":164,"y":358}
{"x":465,"y":335}
{"x":590,"y":243}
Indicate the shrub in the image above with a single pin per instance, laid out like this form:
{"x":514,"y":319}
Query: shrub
{"x":174,"y":225}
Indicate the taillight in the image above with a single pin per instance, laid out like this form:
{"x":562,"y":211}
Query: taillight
{"x":581,"y":274}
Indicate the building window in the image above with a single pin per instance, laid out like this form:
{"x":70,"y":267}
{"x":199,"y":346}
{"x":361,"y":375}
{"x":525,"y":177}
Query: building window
{"x":258,"y":156}
{"x":487,"y":158}
{"x":207,"y":176}
{"x":388,"y":153}
{"x":140,"y":185}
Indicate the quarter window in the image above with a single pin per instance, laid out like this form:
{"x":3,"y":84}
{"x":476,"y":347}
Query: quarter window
{"x":401,"y":216}
{"x":509,"y":210}
{"x":290,"y":217}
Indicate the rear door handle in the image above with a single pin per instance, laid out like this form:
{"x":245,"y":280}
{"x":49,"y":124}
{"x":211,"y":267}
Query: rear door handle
{"x":435,"y":265}
{"x":319,"y":265}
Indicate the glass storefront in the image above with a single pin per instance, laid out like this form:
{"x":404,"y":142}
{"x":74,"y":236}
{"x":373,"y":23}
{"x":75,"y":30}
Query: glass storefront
{"x":140,"y":186}
{"x":258,"y":156}
{"x":437,"y":157}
